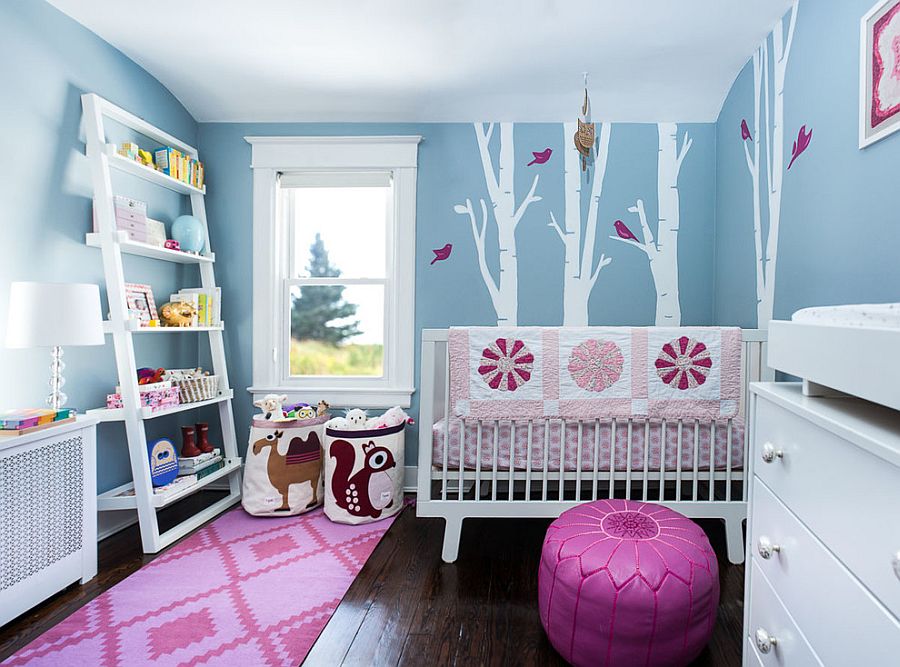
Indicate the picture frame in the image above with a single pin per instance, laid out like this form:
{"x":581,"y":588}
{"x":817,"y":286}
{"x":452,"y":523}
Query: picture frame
{"x":139,"y":303}
{"x":879,"y":92}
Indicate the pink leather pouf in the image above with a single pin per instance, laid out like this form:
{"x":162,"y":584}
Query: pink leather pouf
{"x":625,"y":583}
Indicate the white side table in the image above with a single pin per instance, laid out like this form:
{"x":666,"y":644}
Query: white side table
{"x":48,"y":513}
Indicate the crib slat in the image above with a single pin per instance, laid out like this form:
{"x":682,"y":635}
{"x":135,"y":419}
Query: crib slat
{"x":546,"y":457}
{"x":596,"y":458}
{"x":478,"y":440}
{"x":663,"y":443}
{"x":512,"y":458}
{"x":462,"y":461}
{"x":728,"y":465}
{"x":628,"y":464}
{"x":678,"y":461}
{"x":613,"y":435}
{"x":446,"y":454}
{"x":562,"y":458}
{"x":494,"y":460}
{"x":644,"y":496}
{"x":528,"y":461}
{"x":578,"y":462}
{"x":696,"y":459}
{"x":712,"y":461}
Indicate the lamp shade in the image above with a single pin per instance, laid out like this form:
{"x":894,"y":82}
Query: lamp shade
{"x":48,"y":314}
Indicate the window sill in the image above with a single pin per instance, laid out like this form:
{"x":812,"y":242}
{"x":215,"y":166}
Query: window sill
{"x":365,"y":398}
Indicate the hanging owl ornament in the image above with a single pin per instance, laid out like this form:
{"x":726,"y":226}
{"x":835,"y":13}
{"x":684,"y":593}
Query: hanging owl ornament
{"x":585,"y":134}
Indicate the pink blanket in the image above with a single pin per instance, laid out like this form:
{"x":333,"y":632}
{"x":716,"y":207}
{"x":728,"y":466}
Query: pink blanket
{"x":595,"y":372}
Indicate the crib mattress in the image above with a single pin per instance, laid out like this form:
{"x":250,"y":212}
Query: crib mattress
{"x":706,"y":433}
{"x":882,"y":315}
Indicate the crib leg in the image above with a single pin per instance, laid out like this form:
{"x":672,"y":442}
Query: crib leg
{"x":734,"y":536}
{"x":452,"y":532}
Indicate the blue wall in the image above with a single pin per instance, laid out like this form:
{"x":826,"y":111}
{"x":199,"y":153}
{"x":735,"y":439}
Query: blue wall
{"x":840,"y":225}
{"x":452,"y":292}
{"x":48,"y":61}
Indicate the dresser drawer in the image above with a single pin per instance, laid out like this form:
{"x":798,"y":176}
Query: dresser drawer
{"x":842,"y":621}
{"x":845,"y":495}
{"x":770,"y":619}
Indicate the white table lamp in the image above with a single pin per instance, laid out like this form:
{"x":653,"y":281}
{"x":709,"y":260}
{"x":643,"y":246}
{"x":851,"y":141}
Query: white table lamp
{"x":53,"y":315}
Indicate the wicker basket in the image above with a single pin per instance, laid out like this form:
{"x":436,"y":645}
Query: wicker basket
{"x":198,"y":389}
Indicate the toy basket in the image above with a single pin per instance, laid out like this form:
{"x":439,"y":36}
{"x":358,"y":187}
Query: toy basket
{"x":198,"y":389}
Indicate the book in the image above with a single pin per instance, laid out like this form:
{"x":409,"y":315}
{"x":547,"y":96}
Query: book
{"x":197,"y":469}
{"x":210,"y":469}
{"x":193,"y":461}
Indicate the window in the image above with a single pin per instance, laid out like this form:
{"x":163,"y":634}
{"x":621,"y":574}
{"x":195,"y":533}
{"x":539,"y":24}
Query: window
{"x":334,"y":244}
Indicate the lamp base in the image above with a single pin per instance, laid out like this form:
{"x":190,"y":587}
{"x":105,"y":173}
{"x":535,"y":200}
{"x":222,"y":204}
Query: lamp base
{"x":56,"y":399}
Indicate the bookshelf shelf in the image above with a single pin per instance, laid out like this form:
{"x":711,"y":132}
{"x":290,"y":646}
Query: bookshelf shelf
{"x":114,"y":243}
{"x":114,"y":500}
{"x":122,"y":163}
{"x":147,"y":250}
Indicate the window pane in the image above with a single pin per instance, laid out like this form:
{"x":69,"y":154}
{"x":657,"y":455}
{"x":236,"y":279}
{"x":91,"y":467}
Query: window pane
{"x":337,"y":330}
{"x":350,"y":225}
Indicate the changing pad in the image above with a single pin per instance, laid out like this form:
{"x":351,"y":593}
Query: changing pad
{"x":881,"y":315}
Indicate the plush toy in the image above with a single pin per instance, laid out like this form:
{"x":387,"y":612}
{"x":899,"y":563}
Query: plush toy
{"x":150,"y":375}
{"x":270,"y":404}
{"x":300,"y":411}
{"x":392,"y":417}
{"x":177,"y":314}
{"x":356,"y":420}
{"x":322,"y":408}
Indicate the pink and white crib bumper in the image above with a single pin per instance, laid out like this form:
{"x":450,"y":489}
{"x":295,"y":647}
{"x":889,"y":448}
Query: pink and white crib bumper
{"x":595,"y":372}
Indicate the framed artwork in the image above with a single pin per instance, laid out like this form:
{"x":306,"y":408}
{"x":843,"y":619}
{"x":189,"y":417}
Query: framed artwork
{"x":879,"y":72}
{"x":139,"y":303}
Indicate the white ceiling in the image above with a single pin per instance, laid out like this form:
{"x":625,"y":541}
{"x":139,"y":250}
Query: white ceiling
{"x":436,"y":60}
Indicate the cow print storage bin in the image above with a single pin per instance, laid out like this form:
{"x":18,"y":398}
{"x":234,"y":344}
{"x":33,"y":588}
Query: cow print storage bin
{"x":363,"y":474}
{"x":283,"y":469}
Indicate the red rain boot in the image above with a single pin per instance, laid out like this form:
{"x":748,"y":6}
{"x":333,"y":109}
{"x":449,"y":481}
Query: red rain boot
{"x":188,"y":448}
{"x":202,"y":437}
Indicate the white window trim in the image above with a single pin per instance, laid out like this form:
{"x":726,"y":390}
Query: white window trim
{"x":272,"y":155}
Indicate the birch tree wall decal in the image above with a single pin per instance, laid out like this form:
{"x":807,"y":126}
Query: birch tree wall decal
{"x":507,"y":215}
{"x":769,"y":97}
{"x":581,"y":272}
{"x":662,"y":251}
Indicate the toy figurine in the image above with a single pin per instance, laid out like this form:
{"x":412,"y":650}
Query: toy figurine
{"x":177,"y":314}
{"x":172,"y":244}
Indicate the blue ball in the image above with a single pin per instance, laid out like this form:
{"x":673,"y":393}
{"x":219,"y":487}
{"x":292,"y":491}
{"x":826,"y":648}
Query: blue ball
{"x":188,"y":231}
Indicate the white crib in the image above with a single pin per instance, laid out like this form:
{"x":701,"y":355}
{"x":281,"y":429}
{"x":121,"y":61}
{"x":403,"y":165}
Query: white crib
{"x":463,"y":471}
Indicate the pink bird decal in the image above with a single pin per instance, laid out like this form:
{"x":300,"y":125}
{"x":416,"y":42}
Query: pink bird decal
{"x":624,"y":232}
{"x":541,"y":157}
{"x":745,"y":130}
{"x":442,"y":253}
{"x":800,"y":145}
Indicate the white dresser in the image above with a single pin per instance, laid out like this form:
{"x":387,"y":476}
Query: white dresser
{"x":48,"y":513}
{"x":823,"y":547}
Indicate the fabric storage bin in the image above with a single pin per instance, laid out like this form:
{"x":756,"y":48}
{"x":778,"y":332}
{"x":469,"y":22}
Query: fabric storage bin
{"x":283,"y":468}
{"x":363,"y":474}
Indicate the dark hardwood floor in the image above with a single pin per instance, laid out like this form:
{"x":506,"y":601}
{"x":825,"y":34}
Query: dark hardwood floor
{"x":408,"y":607}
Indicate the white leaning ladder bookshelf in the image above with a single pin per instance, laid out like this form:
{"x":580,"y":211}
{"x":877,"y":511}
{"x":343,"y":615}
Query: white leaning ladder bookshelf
{"x":112,"y":244}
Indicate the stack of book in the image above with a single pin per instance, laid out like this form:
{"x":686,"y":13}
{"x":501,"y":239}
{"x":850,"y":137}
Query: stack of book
{"x":22,"y":421}
{"x":201,"y":466}
{"x":176,"y":164}
{"x":207,"y":305}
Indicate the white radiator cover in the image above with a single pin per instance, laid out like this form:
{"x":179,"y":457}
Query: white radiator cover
{"x":48,"y":515}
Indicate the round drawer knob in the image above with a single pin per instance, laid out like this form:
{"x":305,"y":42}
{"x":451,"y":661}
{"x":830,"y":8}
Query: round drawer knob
{"x":896,"y":564}
{"x":764,"y":641}
{"x":765,"y":547}
{"x":769,"y":453}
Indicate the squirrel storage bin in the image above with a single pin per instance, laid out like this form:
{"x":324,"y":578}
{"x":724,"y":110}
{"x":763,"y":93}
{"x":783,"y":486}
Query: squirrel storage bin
{"x":363,"y":474}
{"x":283,"y":470}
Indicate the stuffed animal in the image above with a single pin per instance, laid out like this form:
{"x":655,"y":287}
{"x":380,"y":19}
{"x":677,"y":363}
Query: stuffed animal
{"x":322,"y":408}
{"x":150,"y":375}
{"x":300,"y":411}
{"x":392,"y":417}
{"x":356,"y":420}
{"x":270,"y":404}
{"x":177,"y":314}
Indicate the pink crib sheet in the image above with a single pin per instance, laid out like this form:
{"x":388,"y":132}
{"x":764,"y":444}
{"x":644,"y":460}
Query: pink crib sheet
{"x":570,"y":455}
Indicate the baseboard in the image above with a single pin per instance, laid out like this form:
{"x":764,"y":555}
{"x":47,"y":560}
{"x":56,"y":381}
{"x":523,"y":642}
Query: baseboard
{"x":409,"y":479}
{"x":110,"y":523}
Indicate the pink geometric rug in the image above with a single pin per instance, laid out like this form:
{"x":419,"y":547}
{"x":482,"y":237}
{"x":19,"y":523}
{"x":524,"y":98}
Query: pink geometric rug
{"x":241,"y":591}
